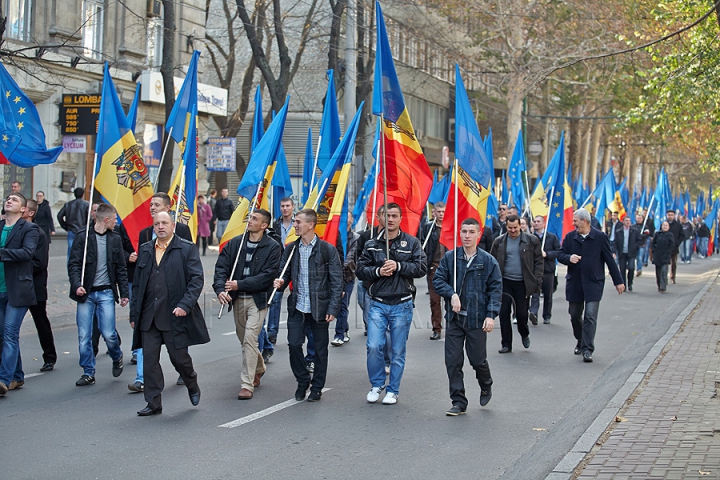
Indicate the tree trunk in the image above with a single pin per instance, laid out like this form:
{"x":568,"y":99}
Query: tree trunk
{"x":606,"y":158}
{"x":584,"y":159}
{"x":514,"y":99}
{"x":575,"y":136}
{"x":166,"y":70}
{"x":594,"y":147}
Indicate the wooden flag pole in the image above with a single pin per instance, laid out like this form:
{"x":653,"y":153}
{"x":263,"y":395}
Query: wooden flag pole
{"x":87,"y":223}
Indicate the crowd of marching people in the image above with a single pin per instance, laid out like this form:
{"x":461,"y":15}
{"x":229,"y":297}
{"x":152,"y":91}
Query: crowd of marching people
{"x":500,"y":271}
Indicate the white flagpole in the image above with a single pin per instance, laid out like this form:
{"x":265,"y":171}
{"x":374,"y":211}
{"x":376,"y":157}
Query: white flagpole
{"x":87,"y":224}
{"x":315,"y":163}
{"x":181,"y":188}
{"x":432,"y":227}
{"x":552,"y":194}
{"x":382,"y":144}
{"x":375,"y":184}
{"x":162,"y":158}
{"x":455,"y":225}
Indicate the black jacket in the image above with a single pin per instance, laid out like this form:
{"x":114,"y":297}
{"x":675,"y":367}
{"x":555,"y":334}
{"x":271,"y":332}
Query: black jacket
{"x":688,"y":230}
{"x":17,"y":258}
{"x":677,"y":231}
{"x":648,"y":232}
{"x":399,"y":287}
{"x":634,"y":240}
{"x":40,"y":266}
{"x":531,"y":259}
{"x":663,"y":245}
{"x":72,"y":217}
{"x":117,"y":271}
{"x":486,"y":240}
{"x":432,"y":229}
{"x":349,"y":261}
{"x":128,"y":250}
{"x":702,"y":230}
{"x":181,"y":230}
{"x":264,"y":268}
{"x":325,"y":282}
{"x":44,"y":219}
{"x":224,"y":208}
{"x":552,"y":245}
{"x":183,"y":265}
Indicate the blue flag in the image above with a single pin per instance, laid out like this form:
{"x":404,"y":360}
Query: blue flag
{"x":186,"y":101}
{"x":504,"y":191}
{"x":307,"y":168}
{"x":441,"y":189}
{"x":281,"y":183}
{"x":517,"y":173}
{"x":22,"y":138}
{"x":604,"y":193}
{"x":330,"y":134}
{"x":132,"y":113}
{"x":470,"y":150}
{"x":369,"y":184}
{"x":258,"y":128}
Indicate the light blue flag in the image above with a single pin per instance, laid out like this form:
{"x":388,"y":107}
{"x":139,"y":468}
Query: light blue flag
{"x":369,"y":184}
{"x":132,"y":113}
{"x":604,"y":193}
{"x":265,"y":153}
{"x":471,"y":152}
{"x":504,"y":191}
{"x":185,"y":102}
{"x":281,"y":183}
{"x":307,"y":169}
{"x":517,"y":173}
{"x":329,"y":126}
{"x":258,"y":128}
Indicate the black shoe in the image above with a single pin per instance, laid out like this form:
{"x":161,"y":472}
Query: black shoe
{"x":629,"y":288}
{"x":272,"y":339}
{"x":133,"y":360}
{"x":180,"y":381}
{"x":147,"y":411}
{"x":505,"y":350}
{"x":136,"y":387}
{"x":366,"y":333}
{"x":526,"y":342}
{"x":266,"y":354}
{"x":47,"y":366}
{"x":455,"y":411}
{"x":300,"y":392}
{"x":85,"y":380}
{"x":194,"y":397}
{"x":435,"y":336}
{"x":533,"y":318}
{"x":117,"y":367}
{"x":485,"y":394}
{"x":577,"y":351}
{"x":587,"y":357}
{"x":314,"y":396}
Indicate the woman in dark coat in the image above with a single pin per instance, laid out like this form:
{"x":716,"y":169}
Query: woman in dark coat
{"x":662,"y":246}
{"x":44,"y":216}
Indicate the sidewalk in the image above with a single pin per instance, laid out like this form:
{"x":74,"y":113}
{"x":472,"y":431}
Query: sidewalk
{"x":669,"y":428}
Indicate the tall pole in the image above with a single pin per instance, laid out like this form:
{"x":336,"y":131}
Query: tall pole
{"x":375,"y":184}
{"x":455,"y":225}
{"x":87,"y":224}
{"x":162,"y":158}
{"x":552,"y":194}
{"x":350,"y":86}
{"x":181,"y":189}
{"x":385,"y":200}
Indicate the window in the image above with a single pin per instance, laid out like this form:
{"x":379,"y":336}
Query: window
{"x":92,"y":29}
{"x":19,"y":14}
{"x":155,"y":42}
{"x":435,"y":120}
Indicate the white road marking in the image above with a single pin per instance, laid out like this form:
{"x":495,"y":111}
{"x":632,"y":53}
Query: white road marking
{"x":30,"y":375}
{"x":230,"y":333}
{"x":262,"y":413}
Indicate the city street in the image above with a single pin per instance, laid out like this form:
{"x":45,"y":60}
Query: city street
{"x":544,"y":399}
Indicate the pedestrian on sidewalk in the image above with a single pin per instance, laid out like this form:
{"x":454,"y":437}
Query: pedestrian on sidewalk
{"x":96,"y":291}
{"x":73,"y":216}
{"x":434,"y":252}
{"x":44,"y":217}
{"x":470,"y":308}
{"x":662,"y":248}
{"x":168,"y":282}
{"x":342,"y":327}
{"x":703,"y":238}
{"x":686,"y":247}
{"x":677,"y":231}
{"x":40,"y":277}
{"x":626,"y":246}
{"x":248,"y":291}
{"x":204,"y":216}
{"x":18,"y":243}
{"x":645,"y":237}
{"x":584,"y":251}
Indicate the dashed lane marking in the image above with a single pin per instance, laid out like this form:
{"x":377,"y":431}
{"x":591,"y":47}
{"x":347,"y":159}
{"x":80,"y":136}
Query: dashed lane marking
{"x":263,"y":413}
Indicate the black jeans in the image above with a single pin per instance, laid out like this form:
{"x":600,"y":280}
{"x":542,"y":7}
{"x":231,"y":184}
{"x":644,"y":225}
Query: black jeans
{"x":475,"y":343}
{"x":296,"y":336}
{"x":661,"y":274}
{"x":513,"y":291}
{"x":627,"y":268}
{"x":44,"y":331}
{"x":584,"y":326}
{"x":548,"y":283}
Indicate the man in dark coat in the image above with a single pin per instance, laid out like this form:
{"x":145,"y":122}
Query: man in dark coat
{"x":17,"y":289}
{"x":627,"y":239}
{"x":521,"y":265}
{"x":317,"y":282}
{"x":434,"y":252}
{"x":585,"y":251}
{"x":40,"y":277}
{"x":73,"y":217}
{"x":677,"y":231}
{"x":549,"y":253}
{"x":168,"y":282}
{"x":44,"y":217}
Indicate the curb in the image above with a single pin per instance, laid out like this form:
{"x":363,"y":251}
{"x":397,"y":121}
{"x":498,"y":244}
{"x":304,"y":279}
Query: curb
{"x":566,"y":467}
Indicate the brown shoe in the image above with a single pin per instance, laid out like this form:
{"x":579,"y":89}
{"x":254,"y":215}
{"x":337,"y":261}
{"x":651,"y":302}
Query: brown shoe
{"x":245,"y":394}
{"x":256,"y":381}
{"x":15,"y":384}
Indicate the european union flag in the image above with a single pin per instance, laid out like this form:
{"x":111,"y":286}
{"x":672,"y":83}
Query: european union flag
{"x":22,"y":139}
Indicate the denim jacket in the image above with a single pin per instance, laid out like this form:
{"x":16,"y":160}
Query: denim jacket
{"x":479,"y":286}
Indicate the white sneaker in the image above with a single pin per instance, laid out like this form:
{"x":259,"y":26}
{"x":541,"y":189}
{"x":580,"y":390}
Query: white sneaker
{"x":374,"y":394}
{"x":337,"y":342}
{"x":390,"y":399}
{"x":346,"y":338}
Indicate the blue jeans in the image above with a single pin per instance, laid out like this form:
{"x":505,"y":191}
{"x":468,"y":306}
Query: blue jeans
{"x":703,"y":245}
{"x":639,"y":258}
{"x":273,"y":316}
{"x":342,"y":326}
{"x":646,"y":255}
{"x":104,"y":303}
{"x":263,"y":342}
{"x":362,"y":301}
{"x":70,"y":238}
{"x":686,"y":249}
{"x":220,"y":229}
{"x":139,"y":375}
{"x":10,"y":320}
{"x":398,"y":318}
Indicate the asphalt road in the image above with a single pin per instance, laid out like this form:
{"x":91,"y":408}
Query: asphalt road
{"x":544,"y":398}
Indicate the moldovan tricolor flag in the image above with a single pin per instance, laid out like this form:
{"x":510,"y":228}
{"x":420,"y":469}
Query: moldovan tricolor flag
{"x":409,"y":179}
{"x":183,"y":191}
{"x":711,"y":222}
{"x":121,"y":177}
{"x":469,"y":185}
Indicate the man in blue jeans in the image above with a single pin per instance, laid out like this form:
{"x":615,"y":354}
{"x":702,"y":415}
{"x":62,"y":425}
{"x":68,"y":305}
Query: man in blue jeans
{"x":390,"y":285}
{"x":96,"y":289}
{"x":18,"y":242}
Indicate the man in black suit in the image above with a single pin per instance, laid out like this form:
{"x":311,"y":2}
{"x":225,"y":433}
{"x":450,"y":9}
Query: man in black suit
{"x":611,"y":227}
{"x":627,"y":239}
{"x":164,"y":310}
{"x":585,"y":251}
{"x":18,"y":243}
{"x":549,"y":253}
{"x":677,"y":231}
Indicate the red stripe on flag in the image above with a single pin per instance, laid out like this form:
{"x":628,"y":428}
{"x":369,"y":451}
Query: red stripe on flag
{"x":465,"y":210}
{"x":137,"y":220}
{"x":567,"y":222}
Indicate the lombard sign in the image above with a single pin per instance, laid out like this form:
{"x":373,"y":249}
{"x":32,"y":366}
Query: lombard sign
{"x":211,"y":100}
